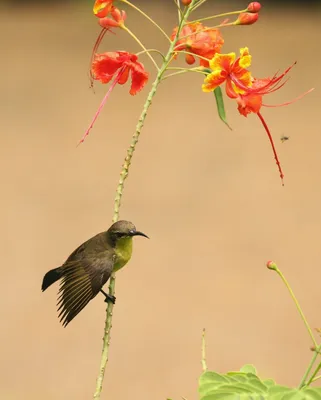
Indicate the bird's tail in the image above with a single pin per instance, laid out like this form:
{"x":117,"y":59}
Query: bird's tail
{"x":51,"y":277}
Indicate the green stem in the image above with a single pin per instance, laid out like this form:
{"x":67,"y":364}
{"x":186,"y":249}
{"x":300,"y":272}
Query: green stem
{"x":297,"y":305}
{"x":199,"y":4}
{"x":147,"y":17}
{"x":317,"y":351}
{"x":218,"y":16}
{"x":204,"y":366}
{"x":151,"y":51}
{"x":141,"y":45}
{"x":119,"y":194}
{"x":310,"y":366}
{"x":179,"y":11}
{"x":316,"y":378}
{"x":182,"y":71}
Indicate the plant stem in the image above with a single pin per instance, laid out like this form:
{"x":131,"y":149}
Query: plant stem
{"x":141,"y":45}
{"x":204,"y":366}
{"x":119,"y":194}
{"x":147,"y":17}
{"x":297,"y":305}
{"x":317,"y":351}
{"x":218,"y":16}
{"x":307,"y":372}
{"x":316,"y":378}
{"x":182,"y":71}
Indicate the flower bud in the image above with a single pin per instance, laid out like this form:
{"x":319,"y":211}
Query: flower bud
{"x":117,"y":20}
{"x":254,"y":7}
{"x":189,"y":59}
{"x":118,"y":15}
{"x":247,"y":19}
{"x":186,"y":2}
{"x":271,"y":265}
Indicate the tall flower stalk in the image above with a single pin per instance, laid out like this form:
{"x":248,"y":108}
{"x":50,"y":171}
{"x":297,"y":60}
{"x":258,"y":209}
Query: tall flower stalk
{"x":119,"y":193}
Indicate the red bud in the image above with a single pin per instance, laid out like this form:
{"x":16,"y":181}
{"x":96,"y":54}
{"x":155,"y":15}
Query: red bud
{"x":254,"y":7}
{"x":186,"y":2}
{"x":247,"y":19}
{"x":117,"y":20}
{"x":189,"y":59}
{"x":271,"y":265}
{"x":118,"y":15}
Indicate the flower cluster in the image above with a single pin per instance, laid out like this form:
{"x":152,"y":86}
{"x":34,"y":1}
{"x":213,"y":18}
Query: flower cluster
{"x":195,"y":41}
{"x":205,"y":43}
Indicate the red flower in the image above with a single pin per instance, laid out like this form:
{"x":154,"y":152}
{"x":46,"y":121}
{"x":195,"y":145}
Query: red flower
{"x":102,"y":8}
{"x":199,"y":40}
{"x":117,"y":65}
{"x":105,"y":66}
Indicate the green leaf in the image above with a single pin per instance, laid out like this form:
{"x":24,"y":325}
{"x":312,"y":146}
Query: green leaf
{"x":246,"y":385}
{"x":248,"y":369}
{"x":220,"y":105}
{"x":312,"y":393}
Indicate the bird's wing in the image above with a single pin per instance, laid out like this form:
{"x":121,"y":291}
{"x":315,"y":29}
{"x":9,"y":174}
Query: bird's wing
{"x":80,"y":283}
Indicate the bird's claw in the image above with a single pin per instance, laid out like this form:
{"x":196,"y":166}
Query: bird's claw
{"x":110,"y":299}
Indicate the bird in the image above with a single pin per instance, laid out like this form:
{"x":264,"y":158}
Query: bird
{"x":89,"y":267}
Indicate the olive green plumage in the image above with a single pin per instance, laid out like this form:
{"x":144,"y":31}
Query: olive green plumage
{"x":89,"y":267}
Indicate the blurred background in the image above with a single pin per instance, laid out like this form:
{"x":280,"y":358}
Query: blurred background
{"x":210,"y":200}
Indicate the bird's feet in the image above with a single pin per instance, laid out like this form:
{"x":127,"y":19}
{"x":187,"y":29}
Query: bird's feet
{"x":108,"y":297}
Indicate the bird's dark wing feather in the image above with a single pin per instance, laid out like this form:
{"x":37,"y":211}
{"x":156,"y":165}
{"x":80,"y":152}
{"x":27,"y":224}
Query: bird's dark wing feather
{"x":81,"y":282}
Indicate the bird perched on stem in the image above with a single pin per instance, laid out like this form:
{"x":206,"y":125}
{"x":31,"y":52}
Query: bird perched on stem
{"x":89,"y":267}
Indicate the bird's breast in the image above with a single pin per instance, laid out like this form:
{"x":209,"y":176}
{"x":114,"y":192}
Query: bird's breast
{"x":123,"y":251}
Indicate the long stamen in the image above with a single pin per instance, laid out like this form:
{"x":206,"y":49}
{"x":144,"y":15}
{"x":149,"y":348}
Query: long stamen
{"x":289,"y":102}
{"x":273,"y":147}
{"x":101,"y":105}
{"x":97,"y":43}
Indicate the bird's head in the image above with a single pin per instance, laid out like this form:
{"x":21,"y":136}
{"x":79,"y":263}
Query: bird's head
{"x":123,"y":230}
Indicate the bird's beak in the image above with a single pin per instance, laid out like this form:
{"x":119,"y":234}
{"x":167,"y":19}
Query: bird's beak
{"x":138,"y":233}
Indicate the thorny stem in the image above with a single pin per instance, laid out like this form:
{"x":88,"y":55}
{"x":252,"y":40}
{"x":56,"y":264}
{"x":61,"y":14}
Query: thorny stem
{"x":119,"y":194}
{"x":141,"y":45}
{"x":147,"y":17}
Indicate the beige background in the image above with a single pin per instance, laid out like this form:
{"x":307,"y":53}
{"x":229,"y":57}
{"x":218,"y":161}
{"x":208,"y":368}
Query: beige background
{"x":210,"y":199}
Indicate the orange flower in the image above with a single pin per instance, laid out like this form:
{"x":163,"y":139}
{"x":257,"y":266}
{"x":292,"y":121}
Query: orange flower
{"x":225,"y":68}
{"x":102,"y":8}
{"x":105,"y":66}
{"x":240,"y":85}
{"x":199,"y":40}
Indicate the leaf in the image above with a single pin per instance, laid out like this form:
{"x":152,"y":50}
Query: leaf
{"x":246,"y":385}
{"x":312,"y":393}
{"x":220,"y":105}
{"x":248,"y":368}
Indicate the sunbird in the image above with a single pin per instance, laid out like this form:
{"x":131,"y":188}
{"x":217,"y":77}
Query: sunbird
{"x":89,"y":267}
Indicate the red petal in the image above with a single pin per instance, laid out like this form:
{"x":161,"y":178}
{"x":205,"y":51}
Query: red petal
{"x":139,"y":78}
{"x":105,"y":65}
{"x":124,"y":76}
